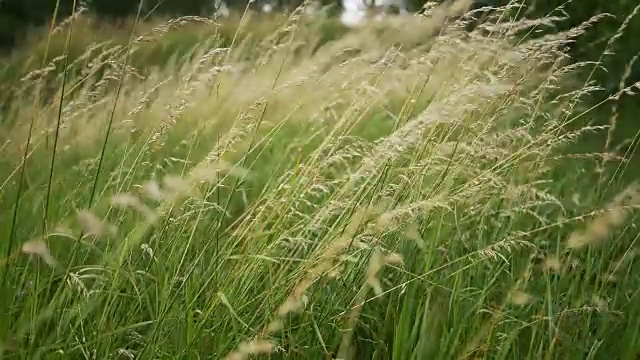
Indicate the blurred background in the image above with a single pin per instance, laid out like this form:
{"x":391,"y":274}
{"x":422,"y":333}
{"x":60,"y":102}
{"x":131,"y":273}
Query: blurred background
{"x":22,"y":22}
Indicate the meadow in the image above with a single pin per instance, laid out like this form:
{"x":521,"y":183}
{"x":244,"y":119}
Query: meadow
{"x":425,"y":187}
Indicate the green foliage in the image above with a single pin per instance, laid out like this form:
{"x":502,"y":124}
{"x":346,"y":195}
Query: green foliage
{"x":605,"y":37}
{"x":17,"y":17}
{"x":295,"y":189}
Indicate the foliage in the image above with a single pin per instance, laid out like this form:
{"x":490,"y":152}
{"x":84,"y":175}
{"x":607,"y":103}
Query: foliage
{"x":403,"y":190}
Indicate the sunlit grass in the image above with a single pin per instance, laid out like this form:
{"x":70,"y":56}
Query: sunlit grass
{"x":403,"y":191}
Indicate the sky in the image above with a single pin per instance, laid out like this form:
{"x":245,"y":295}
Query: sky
{"x":354,"y":12}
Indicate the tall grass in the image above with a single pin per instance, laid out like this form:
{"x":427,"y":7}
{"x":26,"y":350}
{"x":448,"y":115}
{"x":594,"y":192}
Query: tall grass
{"x":402,"y":192}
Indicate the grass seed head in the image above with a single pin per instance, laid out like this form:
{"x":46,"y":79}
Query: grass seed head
{"x":551,"y":264}
{"x":520,"y":298}
{"x":93,"y":226}
{"x":253,"y":347}
{"x":40,"y":249}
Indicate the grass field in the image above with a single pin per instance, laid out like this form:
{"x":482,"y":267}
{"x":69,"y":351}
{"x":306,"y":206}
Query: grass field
{"x":405,"y":190}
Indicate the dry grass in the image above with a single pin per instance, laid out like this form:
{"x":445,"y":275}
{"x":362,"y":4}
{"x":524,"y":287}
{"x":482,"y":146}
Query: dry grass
{"x":383,"y":195}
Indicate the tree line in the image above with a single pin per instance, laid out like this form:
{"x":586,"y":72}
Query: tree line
{"x":18,"y":16}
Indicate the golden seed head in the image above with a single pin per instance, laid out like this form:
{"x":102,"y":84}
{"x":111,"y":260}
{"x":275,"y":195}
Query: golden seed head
{"x":520,"y":298}
{"x":39,"y":248}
